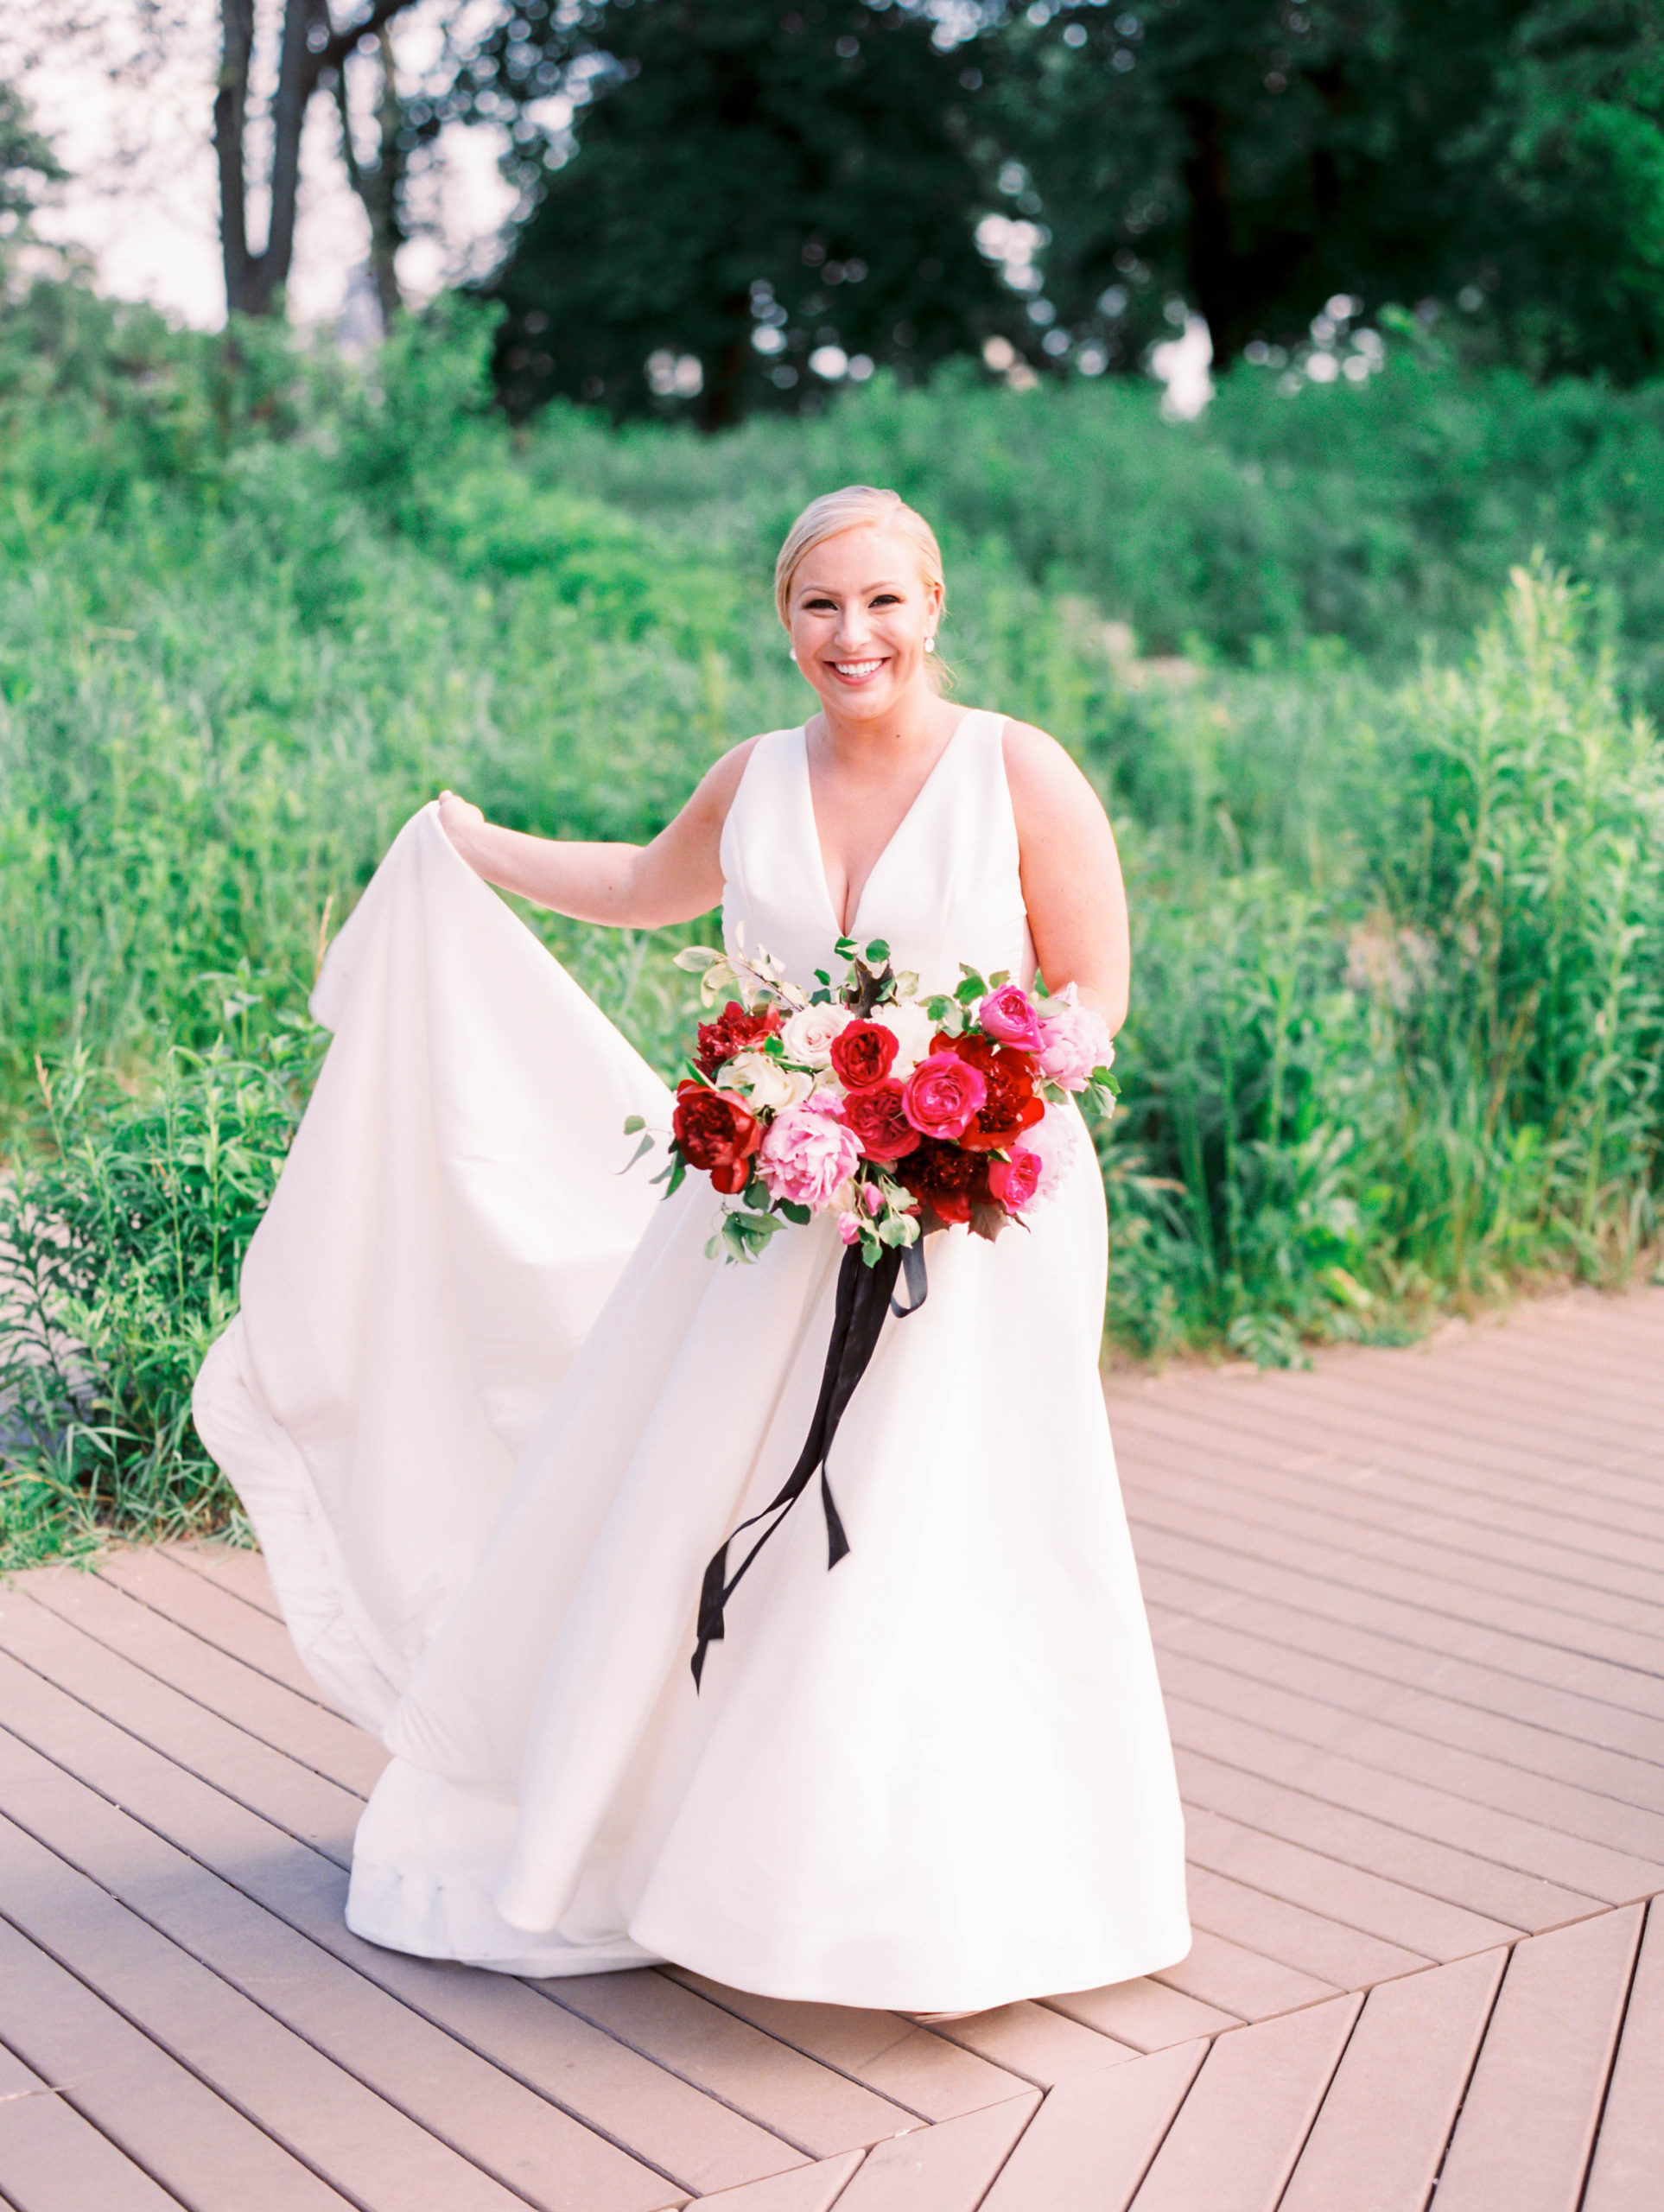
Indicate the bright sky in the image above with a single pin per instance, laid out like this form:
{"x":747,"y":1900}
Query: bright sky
{"x":124,"y":89}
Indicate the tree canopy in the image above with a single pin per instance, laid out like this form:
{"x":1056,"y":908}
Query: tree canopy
{"x":1257,"y":157}
{"x":756,"y":195}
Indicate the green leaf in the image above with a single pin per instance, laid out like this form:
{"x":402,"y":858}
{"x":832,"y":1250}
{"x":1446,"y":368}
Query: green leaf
{"x":792,"y":1212}
{"x":679,"y":1176}
{"x":694,"y":959}
{"x":633,"y":1122}
{"x":878,"y":952}
{"x":641,"y":1150}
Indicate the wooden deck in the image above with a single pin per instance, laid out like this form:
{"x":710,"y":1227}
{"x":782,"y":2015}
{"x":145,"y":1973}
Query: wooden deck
{"x":1410,"y":1609}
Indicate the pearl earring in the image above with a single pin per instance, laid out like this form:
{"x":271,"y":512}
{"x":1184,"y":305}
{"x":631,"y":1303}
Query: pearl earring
{"x":791,"y":650}
{"x":930,"y":644}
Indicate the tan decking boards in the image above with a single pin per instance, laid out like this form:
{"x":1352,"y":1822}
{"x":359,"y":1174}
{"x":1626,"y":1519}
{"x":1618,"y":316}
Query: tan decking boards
{"x":1410,"y":1611}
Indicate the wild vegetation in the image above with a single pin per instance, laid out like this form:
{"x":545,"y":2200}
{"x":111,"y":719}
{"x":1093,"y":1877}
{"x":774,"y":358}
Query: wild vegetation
{"x":1361,"y":669}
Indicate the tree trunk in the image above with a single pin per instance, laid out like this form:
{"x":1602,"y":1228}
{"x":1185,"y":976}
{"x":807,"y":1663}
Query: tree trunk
{"x":309,"y":46}
{"x":1207,"y":183}
{"x":380,"y":186}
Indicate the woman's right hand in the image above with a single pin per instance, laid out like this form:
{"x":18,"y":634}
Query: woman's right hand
{"x":461,"y":821}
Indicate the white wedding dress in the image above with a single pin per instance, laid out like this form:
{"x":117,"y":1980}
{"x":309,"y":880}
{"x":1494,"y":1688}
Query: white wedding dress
{"x":490,"y":1409}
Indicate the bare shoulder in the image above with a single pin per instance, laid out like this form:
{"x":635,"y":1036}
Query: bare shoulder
{"x":1045,"y":781}
{"x":714,"y":793}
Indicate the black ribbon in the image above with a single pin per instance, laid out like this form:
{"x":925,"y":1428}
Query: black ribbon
{"x":865,"y":1295}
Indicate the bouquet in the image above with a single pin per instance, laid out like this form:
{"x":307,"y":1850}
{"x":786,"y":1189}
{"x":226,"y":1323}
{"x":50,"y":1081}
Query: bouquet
{"x":898,"y":1112}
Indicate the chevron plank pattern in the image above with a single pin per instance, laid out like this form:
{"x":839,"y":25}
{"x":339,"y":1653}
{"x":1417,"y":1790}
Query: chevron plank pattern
{"x":1409,"y":1607}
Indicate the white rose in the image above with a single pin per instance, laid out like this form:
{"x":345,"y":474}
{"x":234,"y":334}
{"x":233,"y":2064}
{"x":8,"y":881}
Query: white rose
{"x":770,"y":1086}
{"x":808,"y":1034}
{"x":912,"y":1029}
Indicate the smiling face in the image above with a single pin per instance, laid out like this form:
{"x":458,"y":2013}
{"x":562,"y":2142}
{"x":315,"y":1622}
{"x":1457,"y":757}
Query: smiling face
{"x":861,"y":608}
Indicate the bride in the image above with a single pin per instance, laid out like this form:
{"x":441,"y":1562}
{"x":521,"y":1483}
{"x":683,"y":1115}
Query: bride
{"x":491,"y":1407}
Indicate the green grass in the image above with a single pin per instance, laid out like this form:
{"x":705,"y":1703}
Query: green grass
{"x":1396,"y":1013}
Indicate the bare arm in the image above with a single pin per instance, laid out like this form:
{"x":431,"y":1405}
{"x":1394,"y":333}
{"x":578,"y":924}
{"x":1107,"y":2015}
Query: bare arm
{"x":676,"y":877}
{"x":1072,"y":873}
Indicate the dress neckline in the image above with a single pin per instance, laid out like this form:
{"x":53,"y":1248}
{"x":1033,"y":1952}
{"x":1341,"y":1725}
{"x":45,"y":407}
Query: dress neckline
{"x":848,"y":929}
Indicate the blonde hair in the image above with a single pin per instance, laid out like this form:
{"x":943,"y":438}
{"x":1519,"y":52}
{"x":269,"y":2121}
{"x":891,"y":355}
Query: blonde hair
{"x":857,"y":506}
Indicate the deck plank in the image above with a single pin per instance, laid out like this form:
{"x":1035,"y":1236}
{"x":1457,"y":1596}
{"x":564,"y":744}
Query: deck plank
{"x":1420,"y":1744}
{"x":945,"y":2168}
{"x":1042,"y":2046}
{"x":1089,"y":2146}
{"x":353,"y":2139}
{"x":242,"y":1572}
{"x":171,"y":2124}
{"x":155,"y":1579}
{"x":806,"y":2188}
{"x":647,"y":2111}
{"x":1239,"y":1980}
{"x":315,"y":1810}
{"x":1144,"y":2014}
{"x":1628,"y":2174}
{"x":1523,"y":2140}
{"x":1245,"y":2121}
{"x":1380,"y":2137}
{"x":52,"y":2160}
{"x":1397,"y":1849}
{"x":923,"y":2073}
{"x":438,"y":2084}
{"x":310,"y":1733}
{"x":807,"y":2105}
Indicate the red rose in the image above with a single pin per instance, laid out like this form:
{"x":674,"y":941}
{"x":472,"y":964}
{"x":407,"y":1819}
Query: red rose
{"x":733,"y":1030}
{"x":945,"y":1178}
{"x":1012,"y":1105}
{"x":716,"y":1132}
{"x":880,"y":1125}
{"x":863,"y":1053}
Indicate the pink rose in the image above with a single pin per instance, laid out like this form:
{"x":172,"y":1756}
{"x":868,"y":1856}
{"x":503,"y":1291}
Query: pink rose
{"x":941,"y":1095}
{"x":1009,"y":1018}
{"x":1016,"y":1181}
{"x":1074,"y":1040}
{"x":808,"y":1153}
{"x":849,"y":1228}
{"x":1050,"y":1143}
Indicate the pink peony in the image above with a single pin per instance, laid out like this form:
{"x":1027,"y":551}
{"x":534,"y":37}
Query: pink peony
{"x":1074,"y":1040}
{"x":1015,"y":1182}
{"x":808,"y":1153}
{"x":943,"y":1095}
{"x":1009,"y":1018}
{"x":1052,"y":1143}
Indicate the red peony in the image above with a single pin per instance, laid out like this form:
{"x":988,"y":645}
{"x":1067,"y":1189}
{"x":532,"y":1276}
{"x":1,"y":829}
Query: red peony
{"x":863,"y":1053}
{"x":945,"y":1178}
{"x":1015,"y":1182}
{"x":1012,"y":1105}
{"x":716,"y":1132}
{"x":733,"y":1030}
{"x":879,"y":1122}
{"x":943,"y":1093}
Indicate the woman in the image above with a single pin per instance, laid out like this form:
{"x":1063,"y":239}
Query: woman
{"x":935,"y":1779}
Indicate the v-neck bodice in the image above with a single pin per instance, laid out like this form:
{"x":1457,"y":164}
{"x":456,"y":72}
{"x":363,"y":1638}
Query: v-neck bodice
{"x":946,"y":889}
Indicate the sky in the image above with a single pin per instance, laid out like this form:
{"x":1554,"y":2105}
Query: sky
{"x":124,"y":89}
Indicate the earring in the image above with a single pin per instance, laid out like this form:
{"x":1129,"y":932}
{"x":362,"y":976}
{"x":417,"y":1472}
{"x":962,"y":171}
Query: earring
{"x":930,"y":644}
{"x":791,"y":650}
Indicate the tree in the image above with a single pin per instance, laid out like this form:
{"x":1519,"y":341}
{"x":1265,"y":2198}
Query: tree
{"x":1255,"y":157}
{"x":26,"y":163}
{"x":312,"y":52}
{"x":757,"y":197}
